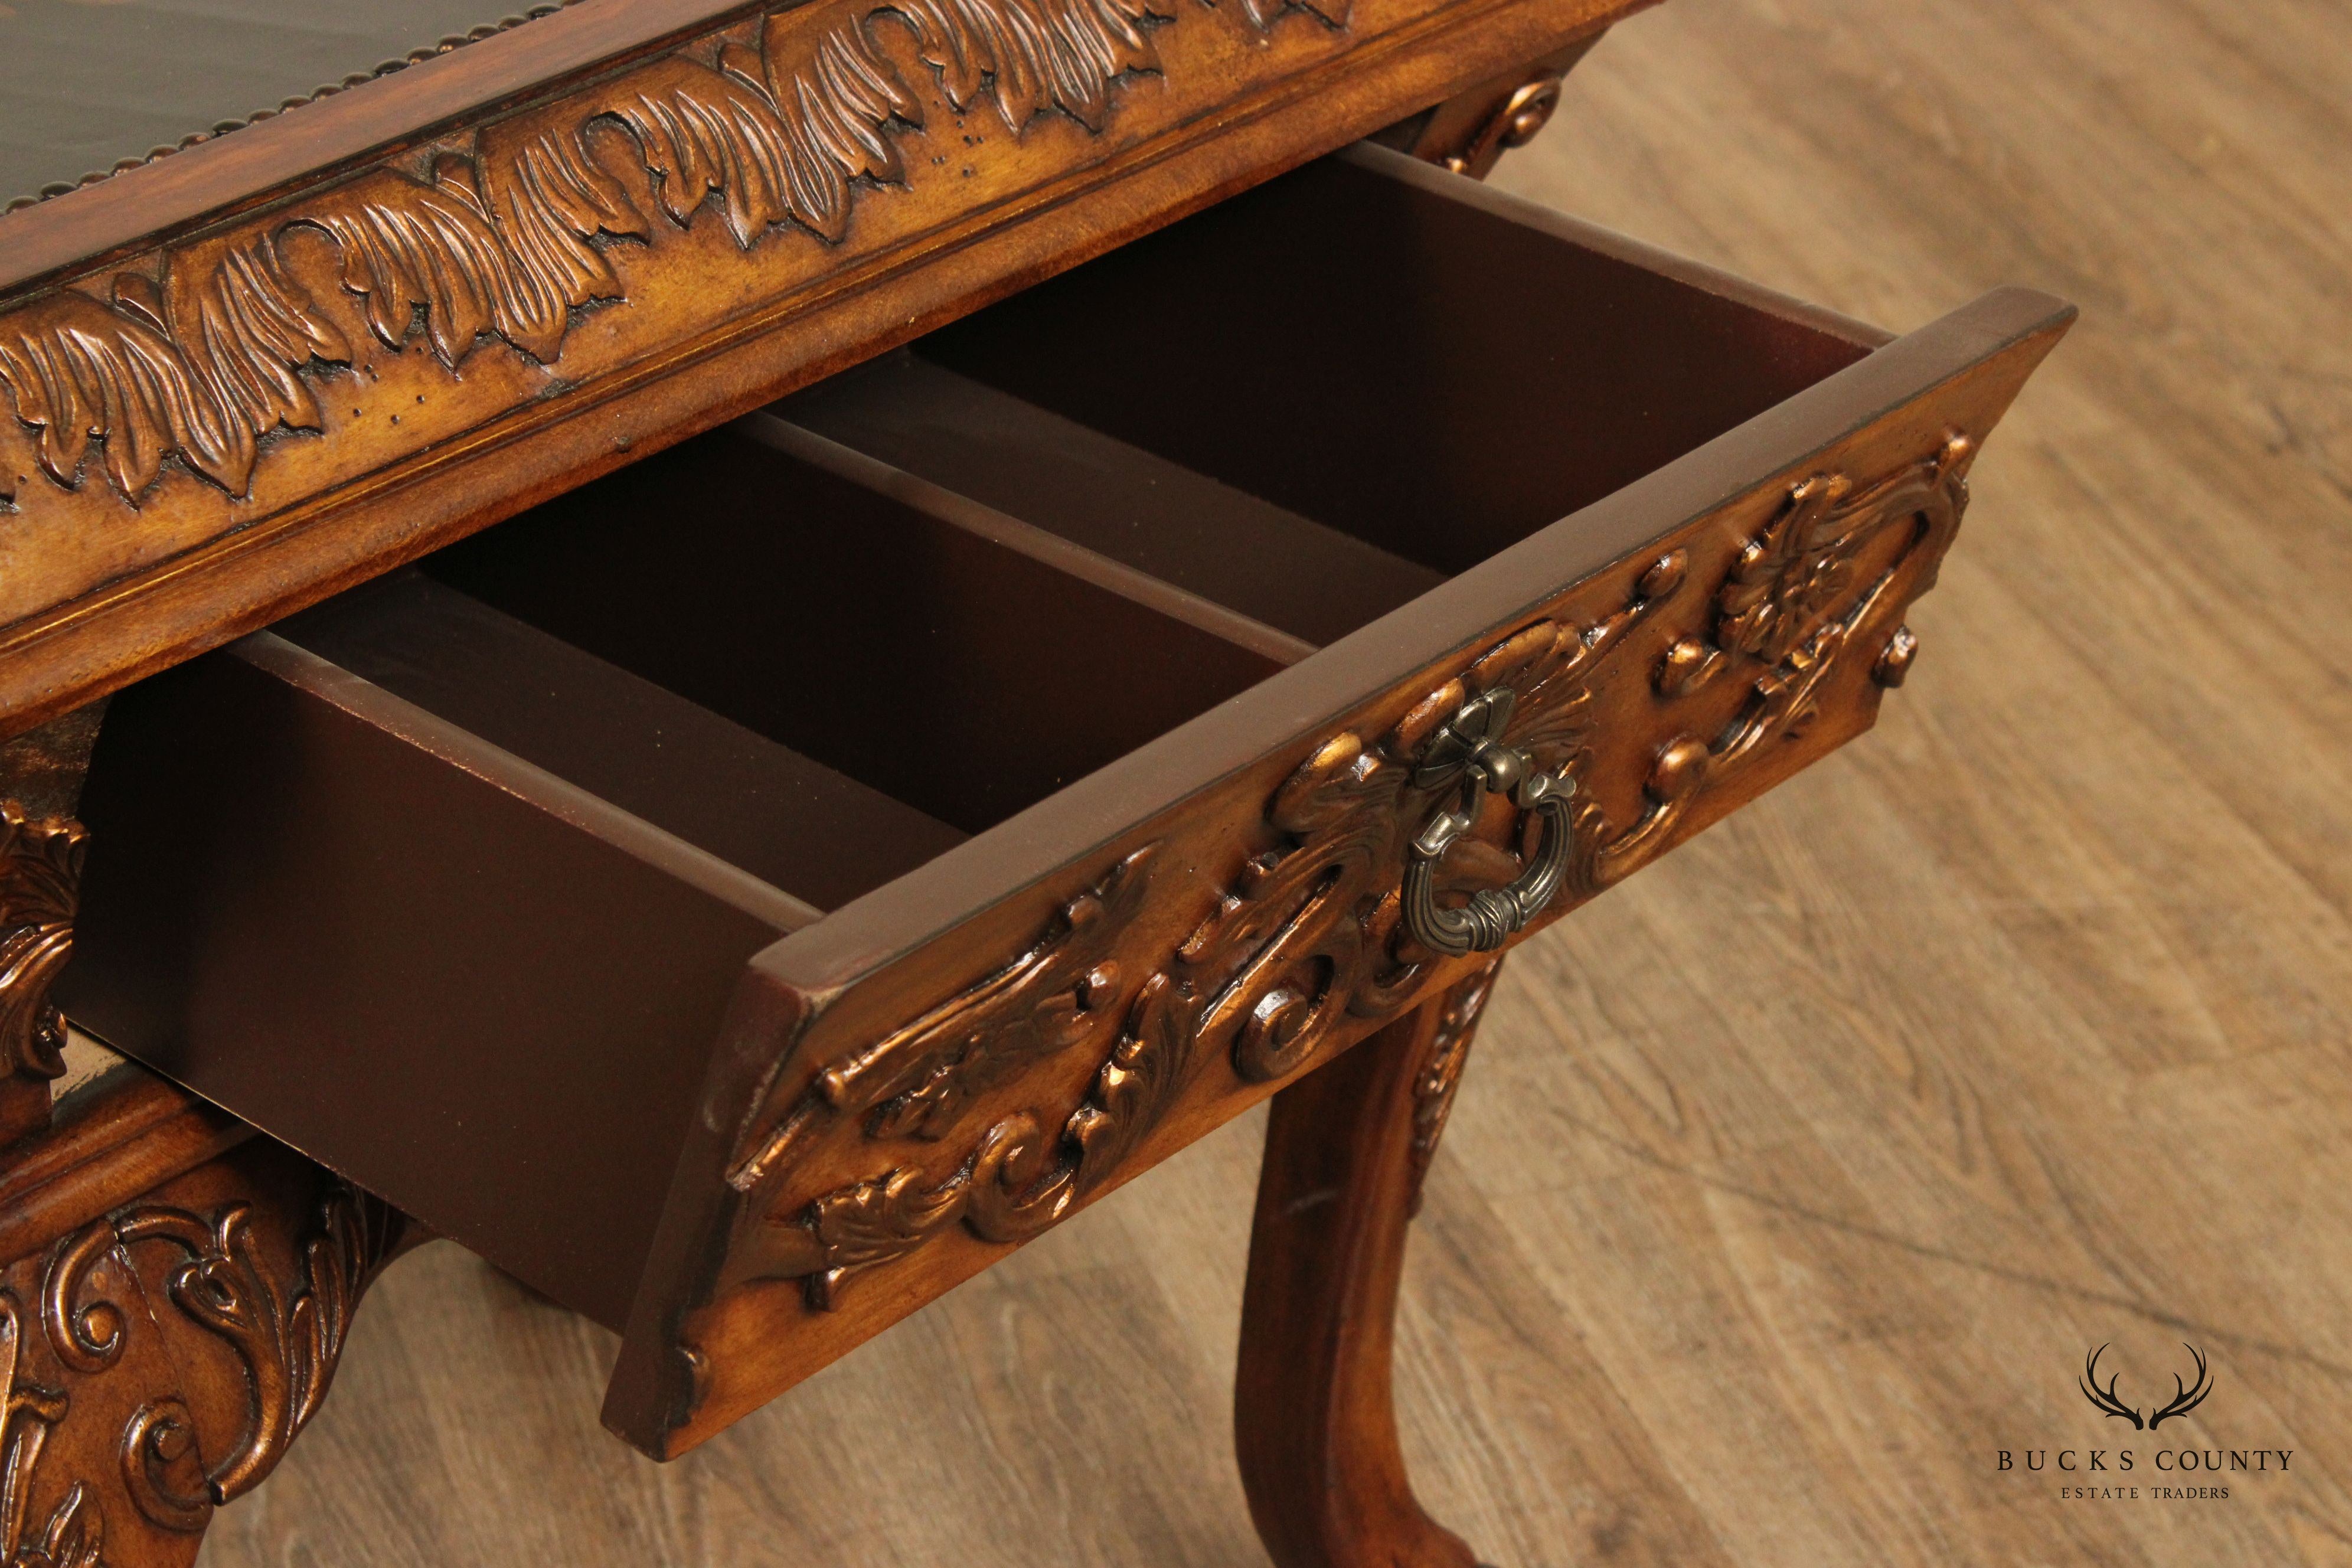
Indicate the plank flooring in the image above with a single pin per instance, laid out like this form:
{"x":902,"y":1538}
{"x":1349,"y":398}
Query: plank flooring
{"x":1791,"y":1182}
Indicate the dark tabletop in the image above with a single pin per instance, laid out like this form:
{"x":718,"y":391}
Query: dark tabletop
{"x":86,"y":83}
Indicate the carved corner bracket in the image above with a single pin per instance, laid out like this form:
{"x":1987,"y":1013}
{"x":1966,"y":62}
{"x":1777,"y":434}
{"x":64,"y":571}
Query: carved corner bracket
{"x":1302,"y":945}
{"x":1469,"y":132}
{"x":40,"y":885}
{"x":158,"y":1362}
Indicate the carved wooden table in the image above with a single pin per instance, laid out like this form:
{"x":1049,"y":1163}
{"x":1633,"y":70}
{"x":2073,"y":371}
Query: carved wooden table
{"x":1028,"y":613}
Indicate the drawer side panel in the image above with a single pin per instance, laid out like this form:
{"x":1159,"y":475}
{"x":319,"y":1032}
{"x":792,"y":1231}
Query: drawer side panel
{"x":462,"y":1001}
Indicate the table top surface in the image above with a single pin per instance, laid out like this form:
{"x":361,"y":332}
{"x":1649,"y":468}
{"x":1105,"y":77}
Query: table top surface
{"x":85,"y":86}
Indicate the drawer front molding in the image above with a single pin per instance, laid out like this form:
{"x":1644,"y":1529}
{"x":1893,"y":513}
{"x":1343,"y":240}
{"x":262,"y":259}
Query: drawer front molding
{"x":1307,"y":941}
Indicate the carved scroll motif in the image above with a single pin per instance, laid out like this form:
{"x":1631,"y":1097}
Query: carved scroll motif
{"x":71,"y":1535}
{"x":783,"y":124}
{"x":283,"y":1312}
{"x":288,"y":1333}
{"x":1306,"y":936}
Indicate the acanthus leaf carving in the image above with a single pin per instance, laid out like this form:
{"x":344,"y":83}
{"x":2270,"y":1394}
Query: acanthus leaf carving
{"x":1031,"y":55}
{"x":81,"y":370}
{"x":284,"y":1312}
{"x":1304,"y":935}
{"x":551,"y":200}
{"x":843,"y":95}
{"x":288,"y":1332}
{"x":247,"y":329}
{"x":408,"y":245}
{"x":507,"y":237}
{"x":701,"y":130}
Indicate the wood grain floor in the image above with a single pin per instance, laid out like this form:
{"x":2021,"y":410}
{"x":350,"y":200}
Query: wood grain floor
{"x":1793,"y":1180}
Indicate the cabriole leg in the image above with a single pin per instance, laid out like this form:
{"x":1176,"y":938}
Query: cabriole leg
{"x":1346,"y":1152}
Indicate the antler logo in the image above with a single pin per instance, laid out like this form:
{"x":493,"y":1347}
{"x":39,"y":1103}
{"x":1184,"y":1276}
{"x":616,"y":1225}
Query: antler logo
{"x":2184,"y":1399}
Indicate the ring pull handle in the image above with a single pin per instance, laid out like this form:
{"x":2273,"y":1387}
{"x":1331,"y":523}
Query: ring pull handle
{"x":1470,"y":748}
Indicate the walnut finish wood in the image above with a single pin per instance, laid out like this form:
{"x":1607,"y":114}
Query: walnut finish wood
{"x":1848,"y":1107}
{"x":176,"y":1298}
{"x":216,"y":433}
{"x":108,"y":1141}
{"x":1131,"y":949}
{"x":1315,"y":1427}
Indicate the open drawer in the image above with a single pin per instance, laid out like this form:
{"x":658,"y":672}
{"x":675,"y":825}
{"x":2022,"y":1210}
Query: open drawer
{"x":747,"y":896}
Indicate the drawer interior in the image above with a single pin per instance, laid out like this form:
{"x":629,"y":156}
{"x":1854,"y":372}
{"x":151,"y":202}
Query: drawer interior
{"x":1316,"y":401}
{"x":819,"y":647}
{"x":830,"y":641}
{"x":877,"y":649}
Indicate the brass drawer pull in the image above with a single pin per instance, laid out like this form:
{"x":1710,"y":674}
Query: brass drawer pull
{"x":1470,"y":747}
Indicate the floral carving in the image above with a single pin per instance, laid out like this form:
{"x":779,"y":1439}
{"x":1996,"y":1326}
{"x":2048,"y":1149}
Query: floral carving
{"x":1306,"y":936}
{"x":40,"y":881}
{"x":1778,"y":621}
{"x":506,"y":239}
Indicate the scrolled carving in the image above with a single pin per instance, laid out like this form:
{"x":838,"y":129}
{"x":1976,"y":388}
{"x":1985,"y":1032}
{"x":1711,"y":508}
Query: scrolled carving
{"x":86,"y":1332}
{"x":1017,"y":1182}
{"x":1306,"y":934}
{"x":288,"y":1332}
{"x":159,"y":1447}
{"x":919,"y":1080}
{"x":506,"y":237}
{"x":71,"y":1535}
{"x":155,"y":1361}
{"x":40,"y":885}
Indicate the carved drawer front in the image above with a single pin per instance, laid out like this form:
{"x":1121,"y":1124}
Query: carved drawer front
{"x":748,"y":895}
